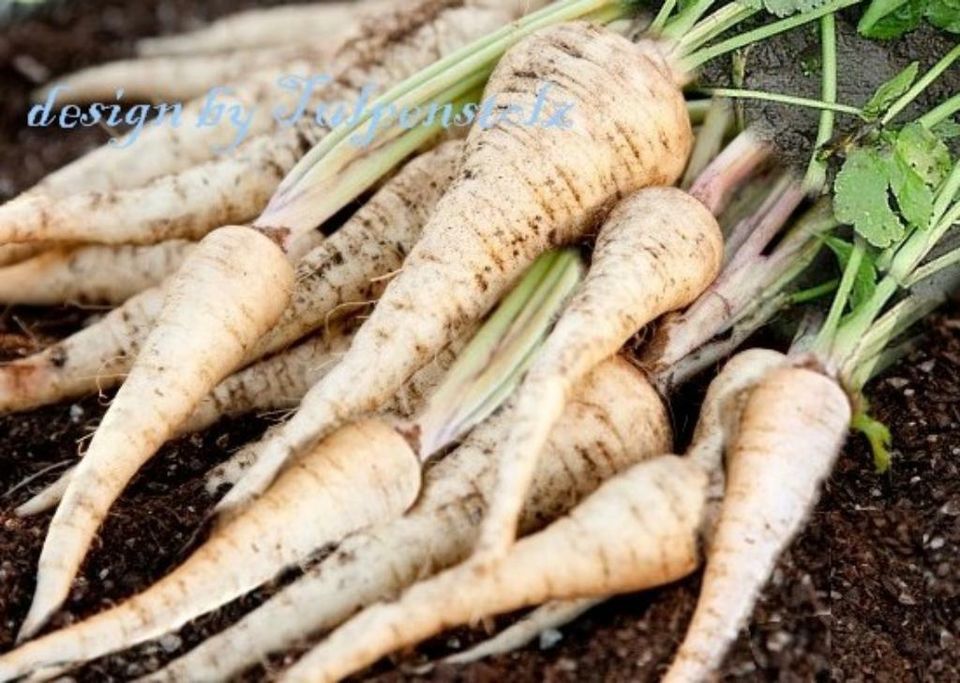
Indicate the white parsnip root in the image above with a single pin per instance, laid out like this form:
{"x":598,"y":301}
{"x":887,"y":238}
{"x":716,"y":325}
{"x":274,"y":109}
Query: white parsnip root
{"x":543,"y":188}
{"x":659,"y":249}
{"x":344,"y":272}
{"x":172,"y":79}
{"x":402,"y":39}
{"x":614,"y":420}
{"x":549,"y":617}
{"x":171,"y":376}
{"x":641,"y":529}
{"x":789,"y":436}
{"x":277,"y":383}
{"x":90,"y":275}
{"x":261,"y":28}
{"x":312,"y":504}
{"x":638,"y":530}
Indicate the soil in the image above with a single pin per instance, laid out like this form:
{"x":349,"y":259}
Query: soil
{"x":870,"y":591}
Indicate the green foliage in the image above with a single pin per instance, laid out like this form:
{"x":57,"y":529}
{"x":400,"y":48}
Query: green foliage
{"x":890,"y":92}
{"x":865,"y":281}
{"x":883,"y":189}
{"x":878,"y":434}
{"x":784,"y":8}
{"x":886,"y":19}
{"x":862,"y":198}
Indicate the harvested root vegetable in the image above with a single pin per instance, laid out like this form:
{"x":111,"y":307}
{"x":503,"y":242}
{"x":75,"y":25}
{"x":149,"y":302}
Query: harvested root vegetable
{"x":171,"y":376}
{"x":408,"y":401}
{"x":162,"y":150}
{"x":90,"y":275}
{"x":347,"y":270}
{"x":540,"y":621}
{"x":97,"y":357}
{"x":312,"y":504}
{"x":638,"y":530}
{"x":171,"y":79}
{"x":614,"y":420}
{"x":277,"y":383}
{"x":628,"y":131}
{"x":261,"y":28}
{"x":657,"y":252}
{"x":236,"y":188}
{"x":790,"y":434}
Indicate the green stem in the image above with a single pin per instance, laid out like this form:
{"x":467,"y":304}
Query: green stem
{"x":842,"y":297}
{"x":662,"y":16}
{"x":940,"y":113}
{"x":814,"y":293}
{"x":688,"y":17}
{"x":716,"y":24}
{"x":696,"y":59}
{"x":444,"y":74}
{"x":816,"y":178}
{"x":921,"y":85}
{"x":933,"y":267}
{"x":783,"y":99}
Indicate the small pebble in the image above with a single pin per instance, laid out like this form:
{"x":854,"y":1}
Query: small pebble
{"x":171,"y":643}
{"x":550,"y":638}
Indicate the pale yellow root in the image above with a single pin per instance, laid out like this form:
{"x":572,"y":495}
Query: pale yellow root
{"x":90,"y":275}
{"x":196,"y":343}
{"x":277,"y":383}
{"x":638,"y":530}
{"x":97,"y":357}
{"x":335,"y":278}
{"x":164,"y":149}
{"x":544,"y":620}
{"x":521,"y":191}
{"x":352,"y":267}
{"x":171,"y":79}
{"x":407,"y":401}
{"x":657,"y":252}
{"x":261,"y":28}
{"x":790,"y":434}
{"x":614,"y":421}
{"x":392,"y":45}
{"x":315,"y":502}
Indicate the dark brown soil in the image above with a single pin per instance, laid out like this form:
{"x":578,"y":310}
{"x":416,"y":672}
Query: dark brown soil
{"x":871,"y":591}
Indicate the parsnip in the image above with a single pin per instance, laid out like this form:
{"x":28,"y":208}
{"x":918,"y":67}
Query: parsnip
{"x":393,"y":44}
{"x":169,"y":379}
{"x":173,"y":79}
{"x":347,"y":270}
{"x":260,"y":28}
{"x":87,"y":275}
{"x":628,"y":131}
{"x":790,"y":434}
{"x":659,"y":249}
{"x":311,"y":505}
{"x":613,"y":421}
{"x":640,"y":529}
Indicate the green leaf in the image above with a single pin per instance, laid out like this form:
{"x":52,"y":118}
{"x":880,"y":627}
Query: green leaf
{"x":914,"y":196}
{"x":924,"y":152}
{"x":947,"y":130}
{"x":879,"y":436}
{"x":890,"y":92}
{"x":891,"y":18}
{"x":783,"y":8}
{"x":862,"y":198}
{"x":944,"y":14}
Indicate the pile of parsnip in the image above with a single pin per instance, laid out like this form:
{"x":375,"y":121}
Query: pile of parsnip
{"x":473,"y":428}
